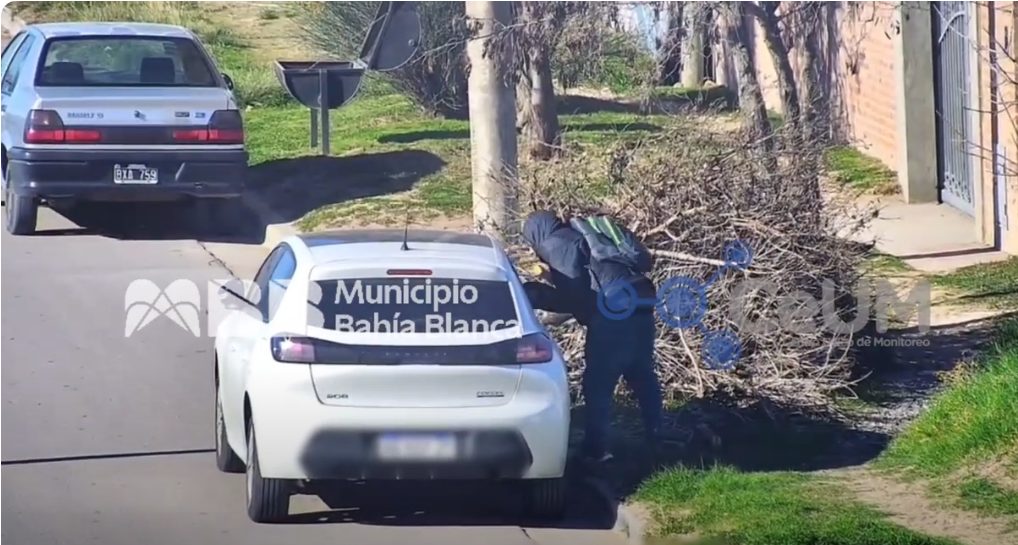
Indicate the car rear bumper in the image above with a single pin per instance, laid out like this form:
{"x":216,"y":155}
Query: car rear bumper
{"x":301,"y":438}
{"x":88,"y":174}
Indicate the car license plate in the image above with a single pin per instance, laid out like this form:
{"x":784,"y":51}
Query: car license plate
{"x":416,"y":446}
{"x":135,"y":174}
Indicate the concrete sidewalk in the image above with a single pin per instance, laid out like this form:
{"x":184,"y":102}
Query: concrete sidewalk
{"x":929,"y":237}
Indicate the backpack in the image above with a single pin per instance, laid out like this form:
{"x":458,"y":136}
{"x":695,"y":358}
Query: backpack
{"x":610,"y":242}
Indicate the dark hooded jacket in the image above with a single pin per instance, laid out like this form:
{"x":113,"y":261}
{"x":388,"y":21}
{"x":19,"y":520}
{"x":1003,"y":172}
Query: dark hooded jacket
{"x":575,"y":276}
{"x":565,"y":252}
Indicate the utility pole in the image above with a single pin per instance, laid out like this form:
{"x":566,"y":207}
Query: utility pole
{"x":492,"y":102}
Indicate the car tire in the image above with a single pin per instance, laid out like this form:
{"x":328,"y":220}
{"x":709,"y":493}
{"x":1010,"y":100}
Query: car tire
{"x":20,"y":213}
{"x":226,"y":459}
{"x":268,"y":500}
{"x":547,"y":498}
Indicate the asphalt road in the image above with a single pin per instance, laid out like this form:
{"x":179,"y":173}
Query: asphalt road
{"x":107,"y":439}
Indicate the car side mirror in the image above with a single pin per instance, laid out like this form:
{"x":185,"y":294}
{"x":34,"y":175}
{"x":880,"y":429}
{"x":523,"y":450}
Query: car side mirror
{"x":229,"y":81}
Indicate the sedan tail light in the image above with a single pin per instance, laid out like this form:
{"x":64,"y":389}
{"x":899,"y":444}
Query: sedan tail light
{"x":536,"y":348}
{"x":46,"y":127}
{"x":292,"y":349}
{"x":225,"y":127}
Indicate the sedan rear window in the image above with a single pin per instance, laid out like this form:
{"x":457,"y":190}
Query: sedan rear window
{"x":414,"y":305}
{"x":125,"y":61}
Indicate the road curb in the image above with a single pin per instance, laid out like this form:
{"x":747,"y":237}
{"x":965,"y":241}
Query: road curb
{"x":628,"y":522}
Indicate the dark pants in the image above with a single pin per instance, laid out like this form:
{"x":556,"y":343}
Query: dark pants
{"x":619,"y":348}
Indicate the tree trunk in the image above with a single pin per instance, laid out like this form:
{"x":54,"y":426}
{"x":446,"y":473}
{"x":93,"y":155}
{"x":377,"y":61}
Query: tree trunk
{"x":669,"y":51}
{"x":816,"y":111}
{"x":766,"y":13}
{"x":692,"y":58}
{"x":492,"y":101}
{"x":545,"y":138}
{"x":751,"y":101}
{"x":540,"y":127}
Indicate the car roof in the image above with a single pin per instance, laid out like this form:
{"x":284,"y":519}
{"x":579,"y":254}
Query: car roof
{"x":347,"y":244}
{"x":56,"y":30}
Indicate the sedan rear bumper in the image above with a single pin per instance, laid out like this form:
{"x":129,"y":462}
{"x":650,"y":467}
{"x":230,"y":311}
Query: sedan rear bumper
{"x":301,"y":438}
{"x":87,"y":174}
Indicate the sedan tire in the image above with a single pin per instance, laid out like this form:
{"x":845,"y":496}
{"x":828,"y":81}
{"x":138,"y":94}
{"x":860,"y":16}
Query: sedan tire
{"x":268,"y":500}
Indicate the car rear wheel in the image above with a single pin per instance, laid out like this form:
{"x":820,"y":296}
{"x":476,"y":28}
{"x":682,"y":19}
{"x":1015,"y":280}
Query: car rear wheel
{"x":226,"y":460}
{"x":19,"y":212}
{"x":547,"y":498}
{"x":268,"y":500}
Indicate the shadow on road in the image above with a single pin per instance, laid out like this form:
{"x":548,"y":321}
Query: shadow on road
{"x":278,"y":191}
{"x":450,"y":504}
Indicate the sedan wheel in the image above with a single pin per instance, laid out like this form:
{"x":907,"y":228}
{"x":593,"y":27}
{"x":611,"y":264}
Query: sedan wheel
{"x":226,"y":460}
{"x":19,"y":212}
{"x":268,"y":500}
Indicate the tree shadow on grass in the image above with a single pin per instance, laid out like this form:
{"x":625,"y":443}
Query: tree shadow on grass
{"x":417,"y":136}
{"x":763,"y":437}
{"x":611,"y":127}
{"x":287,"y":189}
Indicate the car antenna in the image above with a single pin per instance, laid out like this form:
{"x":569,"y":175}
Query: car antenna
{"x":406,"y":228}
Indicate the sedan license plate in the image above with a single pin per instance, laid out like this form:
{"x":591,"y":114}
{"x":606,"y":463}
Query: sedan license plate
{"x":416,"y":446}
{"x":135,"y":174}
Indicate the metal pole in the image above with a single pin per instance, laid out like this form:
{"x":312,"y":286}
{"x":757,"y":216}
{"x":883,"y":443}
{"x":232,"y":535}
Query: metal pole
{"x":323,"y":93}
{"x":314,"y":127}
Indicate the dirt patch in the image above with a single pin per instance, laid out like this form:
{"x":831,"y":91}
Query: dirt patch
{"x":270,"y":28}
{"x":907,"y":504}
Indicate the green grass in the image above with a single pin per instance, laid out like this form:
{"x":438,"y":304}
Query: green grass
{"x":881,"y":264}
{"x":728,"y":507}
{"x":860,"y":171}
{"x":985,"y":496}
{"x":991,"y":284}
{"x":390,"y":122}
{"x":972,"y":422}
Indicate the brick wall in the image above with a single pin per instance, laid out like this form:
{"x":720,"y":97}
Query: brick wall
{"x":863,"y":63}
{"x":859,"y":44}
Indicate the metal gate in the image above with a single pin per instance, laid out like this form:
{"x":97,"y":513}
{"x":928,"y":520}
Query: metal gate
{"x":953,"y":72}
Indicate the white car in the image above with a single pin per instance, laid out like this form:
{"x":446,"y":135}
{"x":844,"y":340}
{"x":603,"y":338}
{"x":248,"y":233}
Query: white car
{"x":115,"y":112}
{"x":421,"y":360}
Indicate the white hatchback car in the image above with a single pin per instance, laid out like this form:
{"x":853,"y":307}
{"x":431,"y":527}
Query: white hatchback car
{"x":116,"y":112}
{"x":376,"y":354}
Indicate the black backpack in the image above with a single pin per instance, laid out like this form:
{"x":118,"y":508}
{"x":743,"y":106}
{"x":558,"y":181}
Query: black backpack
{"x":611,"y":243}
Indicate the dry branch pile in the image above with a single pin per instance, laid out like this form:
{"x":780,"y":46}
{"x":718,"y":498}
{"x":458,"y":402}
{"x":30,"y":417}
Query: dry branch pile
{"x":687,"y":193}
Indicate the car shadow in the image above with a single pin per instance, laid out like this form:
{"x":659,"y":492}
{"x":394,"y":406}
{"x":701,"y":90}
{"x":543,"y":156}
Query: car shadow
{"x":279,"y":191}
{"x":443,"y":503}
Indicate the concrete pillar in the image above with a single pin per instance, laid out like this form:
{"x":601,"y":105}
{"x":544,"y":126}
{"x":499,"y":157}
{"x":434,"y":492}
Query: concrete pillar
{"x":492,"y":102}
{"x":917,"y":127}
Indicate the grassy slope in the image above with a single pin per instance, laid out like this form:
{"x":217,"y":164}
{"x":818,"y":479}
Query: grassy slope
{"x":971,"y":423}
{"x":993,"y":284}
{"x":724,"y":506}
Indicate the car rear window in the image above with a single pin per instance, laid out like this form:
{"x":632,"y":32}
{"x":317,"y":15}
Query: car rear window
{"x":133,"y":61}
{"x":414,"y":305}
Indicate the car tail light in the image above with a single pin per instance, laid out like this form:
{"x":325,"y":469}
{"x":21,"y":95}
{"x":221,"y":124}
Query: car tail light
{"x":46,"y":127}
{"x":291,"y":349}
{"x":536,"y":348}
{"x":225,"y":127}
